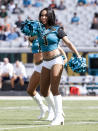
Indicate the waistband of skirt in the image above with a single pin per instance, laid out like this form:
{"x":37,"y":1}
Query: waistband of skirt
{"x":52,"y":57}
{"x":38,"y":63}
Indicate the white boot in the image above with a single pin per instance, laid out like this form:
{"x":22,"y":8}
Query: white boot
{"x":59,"y":120}
{"x":43,"y":107}
{"x":51,"y":115}
{"x":51,"y":107}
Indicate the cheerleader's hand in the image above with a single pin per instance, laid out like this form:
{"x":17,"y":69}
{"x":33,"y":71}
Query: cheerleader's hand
{"x":79,"y":56}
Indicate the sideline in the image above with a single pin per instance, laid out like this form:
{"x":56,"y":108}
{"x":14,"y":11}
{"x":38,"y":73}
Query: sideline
{"x":77,"y":98}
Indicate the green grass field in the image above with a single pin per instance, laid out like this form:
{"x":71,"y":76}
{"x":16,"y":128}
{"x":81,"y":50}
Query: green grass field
{"x":20,"y":115}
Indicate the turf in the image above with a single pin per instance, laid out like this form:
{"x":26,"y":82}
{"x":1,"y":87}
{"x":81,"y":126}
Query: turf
{"x":21,"y":115}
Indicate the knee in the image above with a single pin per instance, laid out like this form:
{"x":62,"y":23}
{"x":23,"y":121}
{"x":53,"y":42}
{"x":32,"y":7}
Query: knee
{"x":43,"y":93}
{"x":29,"y":91}
{"x":55,"y":91}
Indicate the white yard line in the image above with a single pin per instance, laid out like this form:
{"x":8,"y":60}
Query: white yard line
{"x":66,"y":123}
{"x":20,"y":108}
{"x":64,"y":98}
{"x":37,"y":108}
{"x":22,"y":127}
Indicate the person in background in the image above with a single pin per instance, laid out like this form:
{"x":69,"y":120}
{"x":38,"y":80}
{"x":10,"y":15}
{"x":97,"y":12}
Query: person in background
{"x":6,"y":71}
{"x":94,"y":24}
{"x":17,"y":10}
{"x":53,"y":4}
{"x":75,"y":19}
{"x":61,"y":5}
{"x":26,"y":3}
{"x":82,"y":2}
{"x":11,"y":6}
{"x":3,"y":12}
{"x":38,"y":4}
{"x":13,"y":34}
{"x":96,"y":2}
{"x":19,"y":74}
{"x":19,"y":21}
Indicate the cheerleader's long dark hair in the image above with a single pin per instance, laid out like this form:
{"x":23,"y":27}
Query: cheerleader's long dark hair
{"x":51,"y":16}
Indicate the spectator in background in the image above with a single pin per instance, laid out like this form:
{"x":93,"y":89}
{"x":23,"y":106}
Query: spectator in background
{"x":11,"y":6}
{"x":17,"y":10}
{"x":38,"y":3}
{"x":6,"y":71}
{"x":75,"y":19}
{"x":82,"y":2}
{"x":94,"y":24}
{"x":96,"y":2}
{"x":6,"y":24}
{"x":3,"y":27}
{"x":96,"y":41}
{"x":14,"y":34}
{"x":6,"y":32}
{"x":19,"y":74}
{"x":3,"y":12}
{"x":5,"y":2}
{"x":26,"y":3}
{"x":53,"y":4}
{"x":19,"y":21}
{"x":61,"y":5}
{"x":2,"y":36}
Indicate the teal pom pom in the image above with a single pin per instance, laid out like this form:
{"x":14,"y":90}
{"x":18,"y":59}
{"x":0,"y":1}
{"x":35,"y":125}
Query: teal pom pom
{"x":78,"y":65}
{"x":30,"y":28}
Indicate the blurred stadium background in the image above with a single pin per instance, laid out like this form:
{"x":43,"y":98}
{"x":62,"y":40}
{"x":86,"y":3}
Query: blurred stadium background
{"x":81,"y":35}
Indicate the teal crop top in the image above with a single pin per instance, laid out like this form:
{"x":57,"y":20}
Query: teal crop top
{"x":49,"y":38}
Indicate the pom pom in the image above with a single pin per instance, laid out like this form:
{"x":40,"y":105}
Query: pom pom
{"x":77,"y":65}
{"x":30,"y":28}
